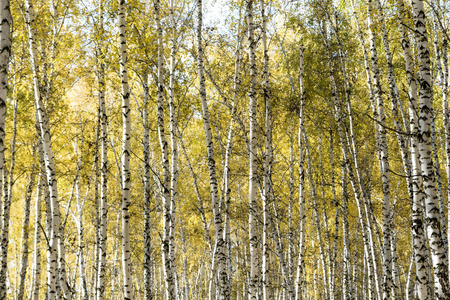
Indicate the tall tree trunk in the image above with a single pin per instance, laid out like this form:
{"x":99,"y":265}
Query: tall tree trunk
{"x":148,"y":278}
{"x":5,"y":53}
{"x":220,"y":246}
{"x":268,"y":159}
{"x":438,"y":255}
{"x":103,"y":118}
{"x":174,"y":146}
{"x":252,"y":225}
{"x":300,"y":282}
{"x":126,"y":176}
{"x":417,"y":226}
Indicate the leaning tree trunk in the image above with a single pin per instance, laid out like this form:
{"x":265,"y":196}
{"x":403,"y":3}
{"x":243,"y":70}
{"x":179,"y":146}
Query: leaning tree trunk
{"x":438,"y":255}
{"x":5,"y":53}
{"x":220,"y":246}
{"x":126,"y":175}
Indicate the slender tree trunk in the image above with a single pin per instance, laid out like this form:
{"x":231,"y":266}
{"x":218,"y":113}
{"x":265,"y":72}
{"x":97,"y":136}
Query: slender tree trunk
{"x":103,"y":218}
{"x":126,"y":176}
{"x":268,"y":158}
{"x":5,"y":53}
{"x":148,"y":279}
{"x":174,"y":146}
{"x":252,"y":225}
{"x":300,"y":282}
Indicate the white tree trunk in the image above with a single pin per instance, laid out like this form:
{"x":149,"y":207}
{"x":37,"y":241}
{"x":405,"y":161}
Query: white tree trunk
{"x":300,"y":280}
{"x":148,"y":278}
{"x":268,"y":158}
{"x":419,"y":245}
{"x":252,"y":225}
{"x":5,"y":53}
{"x":103,"y":212}
{"x":126,"y":176}
{"x":174,"y":146}
{"x":438,"y":255}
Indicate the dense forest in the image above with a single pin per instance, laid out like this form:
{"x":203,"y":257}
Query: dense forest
{"x":224,"y":150}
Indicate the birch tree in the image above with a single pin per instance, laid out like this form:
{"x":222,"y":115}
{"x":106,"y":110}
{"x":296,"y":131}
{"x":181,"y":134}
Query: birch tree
{"x":5,"y":53}
{"x":253,"y":237}
{"x":438,"y":254}
{"x":103,"y":118}
{"x":126,"y":175}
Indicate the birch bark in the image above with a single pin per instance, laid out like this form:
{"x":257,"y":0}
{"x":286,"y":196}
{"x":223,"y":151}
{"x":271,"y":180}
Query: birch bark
{"x":102,"y":236}
{"x":438,"y":255}
{"x":300,"y":282}
{"x":126,"y":175}
{"x":253,"y":238}
{"x":5,"y":53}
{"x":417,"y":226}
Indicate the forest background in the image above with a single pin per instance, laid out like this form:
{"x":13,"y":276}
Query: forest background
{"x":261,"y":150}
